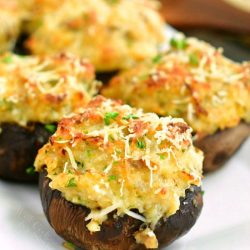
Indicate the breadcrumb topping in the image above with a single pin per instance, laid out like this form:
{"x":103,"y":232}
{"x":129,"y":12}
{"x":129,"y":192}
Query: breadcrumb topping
{"x":112,"y":157}
{"x":100,"y":30}
{"x":193,"y":80}
{"x":43,"y":88}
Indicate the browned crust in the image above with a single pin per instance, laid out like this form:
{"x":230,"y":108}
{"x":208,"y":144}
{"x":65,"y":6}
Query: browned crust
{"x":67,"y":219}
{"x":219,"y":147}
{"x":18,"y":148}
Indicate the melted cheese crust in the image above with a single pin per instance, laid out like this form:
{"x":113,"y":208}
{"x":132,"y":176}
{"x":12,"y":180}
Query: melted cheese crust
{"x":112,"y":34}
{"x":43,"y":89}
{"x":114,"y":157}
{"x":196,"y":83}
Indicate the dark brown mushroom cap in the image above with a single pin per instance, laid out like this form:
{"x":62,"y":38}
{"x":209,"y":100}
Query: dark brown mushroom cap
{"x":219,"y":147}
{"x":68,"y":220}
{"x":18,"y":148}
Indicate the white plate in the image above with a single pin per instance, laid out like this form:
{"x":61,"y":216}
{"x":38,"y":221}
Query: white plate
{"x":223,"y":224}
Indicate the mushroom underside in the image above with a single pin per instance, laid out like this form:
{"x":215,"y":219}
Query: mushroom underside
{"x":68,"y":220}
{"x":219,"y":147}
{"x":18,"y":149}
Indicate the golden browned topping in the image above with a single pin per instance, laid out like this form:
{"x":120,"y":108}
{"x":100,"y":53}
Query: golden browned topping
{"x":193,"y":80}
{"x":112,"y":34}
{"x":112,"y":157}
{"x":43,"y":89}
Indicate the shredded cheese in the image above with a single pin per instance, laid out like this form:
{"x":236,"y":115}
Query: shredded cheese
{"x":99,"y":214}
{"x":146,"y":164}
{"x":45,"y":88}
{"x":71,"y":157}
{"x":134,"y":215}
{"x":182,"y":87}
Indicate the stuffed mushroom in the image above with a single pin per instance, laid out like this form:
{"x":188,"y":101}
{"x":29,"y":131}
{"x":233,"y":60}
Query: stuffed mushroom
{"x":112,"y":34}
{"x":193,"y":80}
{"x":115,"y":177}
{"x":35,"y":93}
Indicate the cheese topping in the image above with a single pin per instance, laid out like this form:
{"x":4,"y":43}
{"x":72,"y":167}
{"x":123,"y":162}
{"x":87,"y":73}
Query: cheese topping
{"x":114,"y":158}
{"x":43,"y":89}
{"x":193,"y":80}
{"x":112,"y":34}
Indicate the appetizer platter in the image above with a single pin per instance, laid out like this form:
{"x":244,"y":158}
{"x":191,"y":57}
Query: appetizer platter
{"x":118,"y":132}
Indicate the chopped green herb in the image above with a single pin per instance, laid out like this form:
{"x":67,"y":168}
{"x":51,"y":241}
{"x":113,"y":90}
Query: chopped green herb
{"x":202,"y":192}
{"x":140,"y":144}
{"x":112,"y":177}
{"x":69,"y":246}
{"x":30,"y":170}
{"x":71,"y":182}
{"x":110,"y":116}
{"x":162,"y":157}
{"x":130,"y":116}
{"x":193,"y":59}
{"x":111,"y":137}
{"x":8,"y":59}
{"x":118,"y":151}
{"x":179,"y":43}
{"x":157,"y":58}
{"x":50,"y":128}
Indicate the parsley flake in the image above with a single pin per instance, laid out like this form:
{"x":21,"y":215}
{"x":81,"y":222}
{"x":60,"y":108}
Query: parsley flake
{"x":193,"y":59}
{"x":130,"y":116}
{"x":110,"y":116}
{"x":30,"y":170}
{"x":8,"y":59}
{"x":162,"y":157}
{"x":157,"y":59}
{"x":71,"y":183}
{"x":179,"y":43}
{"x":140,"y":144}
{"x":69,"y":245}
{"x":50,"y":128}
{"x":112,"y":177}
